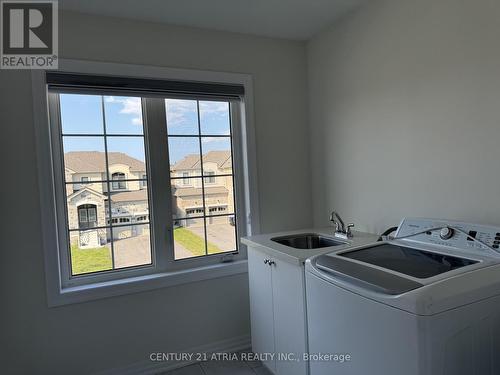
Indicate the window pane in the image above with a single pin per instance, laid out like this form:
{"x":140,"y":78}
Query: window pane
{"x":126,"y":155}
{"x":82,"y":215}
{"x":182,"y":117}
{"x":81,"y":114}
{"x":219,"y":196}
{"x":184,"y":156}
{"x":211,"y":178}
{"x":129,"y":206}
{"x":123,"y":115}
{"x":84,"y":155}
{"x":90,"y":251}
{"x":221,"y":232}
{"x":189,"y":238}
{"x":92,"y":214}
{"x":131,"y":245}
{"x":187,"y":200}
{"x":118,"y":181}
{"x":214,"y":118}
{"x":216,"y":155}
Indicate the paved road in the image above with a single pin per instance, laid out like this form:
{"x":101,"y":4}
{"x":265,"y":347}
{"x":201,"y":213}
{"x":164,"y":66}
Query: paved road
{"x":132,"y":251}
{"x":137,"y":251}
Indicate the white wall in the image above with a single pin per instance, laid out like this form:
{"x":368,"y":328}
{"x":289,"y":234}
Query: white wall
{"x":114,"y":332}
{"x":405,"y":113}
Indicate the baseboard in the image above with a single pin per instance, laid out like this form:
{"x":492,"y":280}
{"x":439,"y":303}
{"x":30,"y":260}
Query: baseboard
{"x":148,"y":367}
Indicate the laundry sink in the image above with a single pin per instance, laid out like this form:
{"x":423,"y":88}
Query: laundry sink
{"x":307,"y":241}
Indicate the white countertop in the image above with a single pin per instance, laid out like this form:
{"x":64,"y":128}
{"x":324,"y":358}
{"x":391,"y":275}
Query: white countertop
{"x":298,"y":256}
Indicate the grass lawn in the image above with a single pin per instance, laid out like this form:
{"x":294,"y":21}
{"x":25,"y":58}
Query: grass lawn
{"x":194,"y":243}
{"x":90,"y":260}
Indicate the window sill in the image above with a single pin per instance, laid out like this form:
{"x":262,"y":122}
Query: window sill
{"x":139,"y":284}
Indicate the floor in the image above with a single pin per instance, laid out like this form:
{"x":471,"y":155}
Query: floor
{"x":222,"y":368}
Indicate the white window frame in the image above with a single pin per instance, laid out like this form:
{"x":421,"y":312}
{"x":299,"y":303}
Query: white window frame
{"x":118,"y":181}
{"x":165,"y":272}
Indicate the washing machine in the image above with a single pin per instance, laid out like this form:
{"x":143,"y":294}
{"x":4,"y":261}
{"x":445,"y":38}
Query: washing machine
{"x":426,"y":302}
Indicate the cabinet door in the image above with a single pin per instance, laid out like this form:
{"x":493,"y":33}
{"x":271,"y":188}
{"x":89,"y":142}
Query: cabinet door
{"x":261,"y":304}
{"x":289,"y":317}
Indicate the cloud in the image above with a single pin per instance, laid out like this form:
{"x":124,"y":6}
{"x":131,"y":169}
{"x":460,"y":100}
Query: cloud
{"x":215,"y":139}
{"x":214,"y":108}
{"x":180,"y":112}
{"x":129,"y":106}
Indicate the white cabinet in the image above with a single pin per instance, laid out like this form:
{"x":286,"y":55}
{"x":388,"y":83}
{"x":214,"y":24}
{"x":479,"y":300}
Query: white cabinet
{"x":261,"y":304}
{"x":278,"y":312}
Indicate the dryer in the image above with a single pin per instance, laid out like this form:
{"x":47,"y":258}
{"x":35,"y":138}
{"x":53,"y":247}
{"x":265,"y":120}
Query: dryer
{"x":425,"y":303}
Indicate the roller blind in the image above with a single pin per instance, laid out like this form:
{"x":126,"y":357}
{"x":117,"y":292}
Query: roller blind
{"x":129,"y":85}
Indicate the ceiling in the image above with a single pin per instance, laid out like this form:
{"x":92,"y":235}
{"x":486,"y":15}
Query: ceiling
{"x":290,"y":19}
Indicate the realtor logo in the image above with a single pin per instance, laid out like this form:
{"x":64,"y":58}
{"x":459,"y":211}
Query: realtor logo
{"x":29,"y":37}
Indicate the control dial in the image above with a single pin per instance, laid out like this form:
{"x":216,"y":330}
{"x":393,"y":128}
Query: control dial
{"x":446,"y":233}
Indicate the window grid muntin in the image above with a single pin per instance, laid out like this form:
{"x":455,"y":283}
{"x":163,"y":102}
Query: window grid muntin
{"x":233,"y":175}
{"x":202,"y":182}
{"x":200,"y":135}
{"x":202,"y":177}
{"x":214,"y":255}
{"x":108,"y":182}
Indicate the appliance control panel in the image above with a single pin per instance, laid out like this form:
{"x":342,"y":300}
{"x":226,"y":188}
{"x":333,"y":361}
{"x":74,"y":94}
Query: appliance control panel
{"x":456,"y":234}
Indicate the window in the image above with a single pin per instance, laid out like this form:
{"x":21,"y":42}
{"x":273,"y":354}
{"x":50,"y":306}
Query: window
{"x":112,"y":130}
{"x":200,"y":139}
{"x":87,"y":216}
{"x":118,"y":181}
{"x":99,"y":135}
{"x":193,"y":211}
{"x":211,"y":178}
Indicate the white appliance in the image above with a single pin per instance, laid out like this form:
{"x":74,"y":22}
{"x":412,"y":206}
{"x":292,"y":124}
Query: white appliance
{"x":425,"y":303}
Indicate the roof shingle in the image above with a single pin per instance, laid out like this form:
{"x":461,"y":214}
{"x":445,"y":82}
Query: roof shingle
{"x":186,"y":192}
{"x":130,"y":196}
{"x":192,"y":161}
{"x":95,"y":161}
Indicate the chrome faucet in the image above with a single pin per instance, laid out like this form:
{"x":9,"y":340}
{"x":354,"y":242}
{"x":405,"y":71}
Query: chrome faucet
{"x":341,"y":230}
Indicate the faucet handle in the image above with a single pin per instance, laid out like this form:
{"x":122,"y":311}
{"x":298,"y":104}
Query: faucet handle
{"x":348,"y":229}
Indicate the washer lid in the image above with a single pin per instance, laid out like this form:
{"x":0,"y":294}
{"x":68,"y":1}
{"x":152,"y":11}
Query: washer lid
{"x":398,"y":269}
{"x":365,"y":276}
{"x":409,"y":261}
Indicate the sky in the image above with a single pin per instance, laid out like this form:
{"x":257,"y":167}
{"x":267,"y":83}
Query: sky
{"x":82,"y":115}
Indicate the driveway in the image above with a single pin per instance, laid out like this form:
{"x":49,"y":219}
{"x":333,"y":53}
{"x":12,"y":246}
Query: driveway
{"x":136,"y":251}
{"x":221,"y":235}
{"x":132,"y":251}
